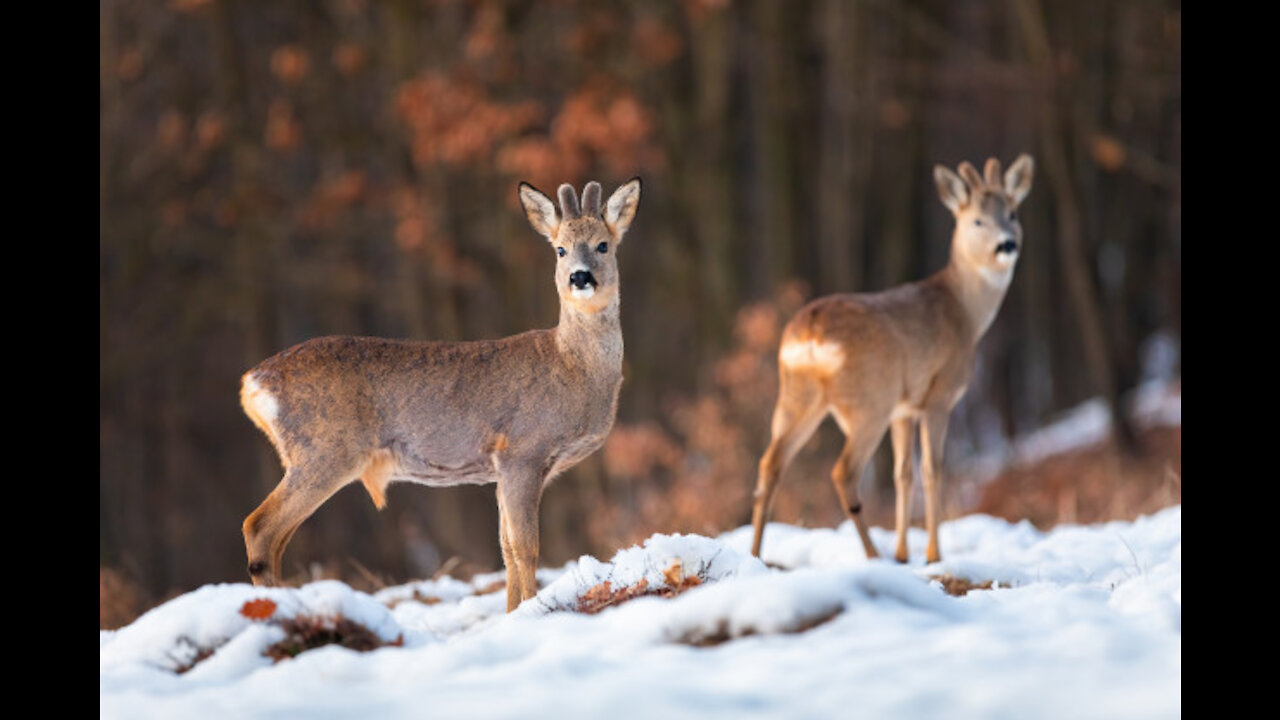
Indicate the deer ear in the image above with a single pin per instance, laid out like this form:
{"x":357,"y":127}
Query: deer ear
{"x":952,"y":190}
{"x":1017,"y":182}
{"x":540,"y":211}
{"x":622,"y":206}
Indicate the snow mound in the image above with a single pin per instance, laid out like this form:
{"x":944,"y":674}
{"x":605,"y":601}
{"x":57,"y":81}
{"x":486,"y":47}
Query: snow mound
{"x":1080,"y":622}
{"x":205,"y":635}
{"x":663,"y":561}
{"x":795,"y":602}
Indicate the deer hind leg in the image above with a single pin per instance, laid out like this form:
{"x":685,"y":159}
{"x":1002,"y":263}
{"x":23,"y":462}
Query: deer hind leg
{"x":518,"y":501}
{"x":797,"y":414}
{"x":903,"y":433}
{"x":269,"y":528}
{"x":933,"y":436}
{"x":861,"y":438}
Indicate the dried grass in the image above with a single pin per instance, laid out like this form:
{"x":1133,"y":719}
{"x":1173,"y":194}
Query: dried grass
{"x":1091,"y":485}
{"x":605,"y":595}
{"x":958,"y":586}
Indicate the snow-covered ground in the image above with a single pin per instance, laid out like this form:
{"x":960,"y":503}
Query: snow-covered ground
{"x":1083,"y":622}
{"x":1157,"y":403}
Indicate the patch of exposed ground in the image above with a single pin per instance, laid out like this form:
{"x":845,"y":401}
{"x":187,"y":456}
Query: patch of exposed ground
{"x":1091,"y":484}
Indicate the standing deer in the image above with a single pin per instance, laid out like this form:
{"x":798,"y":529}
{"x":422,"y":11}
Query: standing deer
{"x":517,"y":411}
{"x":899,"y":358}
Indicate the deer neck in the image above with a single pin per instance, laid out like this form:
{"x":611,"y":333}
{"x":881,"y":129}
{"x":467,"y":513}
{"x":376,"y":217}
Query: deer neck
{"x":592,"y":339}
{"x":978,"y":289}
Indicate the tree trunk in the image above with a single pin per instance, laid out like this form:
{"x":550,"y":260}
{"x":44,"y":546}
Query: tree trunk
{"x":1071,"y":250}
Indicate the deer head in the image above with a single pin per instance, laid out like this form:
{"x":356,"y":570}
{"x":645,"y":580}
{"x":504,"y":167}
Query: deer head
{"x":988,"y":235}
{"x":585,"y":237}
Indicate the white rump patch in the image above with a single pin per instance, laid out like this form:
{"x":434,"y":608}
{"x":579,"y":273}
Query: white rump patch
{"x":820,"y":355}
{"x":264,"y":403}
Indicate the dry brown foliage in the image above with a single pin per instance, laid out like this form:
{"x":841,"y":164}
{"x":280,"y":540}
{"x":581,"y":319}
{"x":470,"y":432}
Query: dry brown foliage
{"x":453,"y":121}
{"x":120,"y":599}
{"x":283,"y":131}
{"x":1092,"y":484}
{"x":600,"y":123}
{"x":1107,"y":152}
{"x":307,"y":632}
{"x":604,"y":595}
{"x":302,"y":633}
{"x":958,"y":586}
{"x":290,"y":63}
{"x":349,"y":58}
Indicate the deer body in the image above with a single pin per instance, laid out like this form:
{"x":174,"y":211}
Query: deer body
{"x":515,"y":411}
{"x":897,"y":360}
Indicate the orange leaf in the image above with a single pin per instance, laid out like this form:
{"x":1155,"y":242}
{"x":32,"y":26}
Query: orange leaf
{"x":259,"y":609}
{"x":1108,"y":152}
{"x":674,"y":574}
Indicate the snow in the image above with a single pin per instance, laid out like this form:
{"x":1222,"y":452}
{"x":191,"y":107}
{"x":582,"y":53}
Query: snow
{"x":1084,"y":622}
{"x":1155,"y":403}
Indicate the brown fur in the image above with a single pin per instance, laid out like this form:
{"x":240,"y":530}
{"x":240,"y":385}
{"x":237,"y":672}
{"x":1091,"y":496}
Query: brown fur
{"x":897,"y":359}
{"x":516,"y":411}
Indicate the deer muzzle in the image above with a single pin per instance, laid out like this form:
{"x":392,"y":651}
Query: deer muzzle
{"x":582,"y":280}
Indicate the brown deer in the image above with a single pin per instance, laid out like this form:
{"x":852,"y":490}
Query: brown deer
{"x":517,"y":411}
{"x":898,"y":359}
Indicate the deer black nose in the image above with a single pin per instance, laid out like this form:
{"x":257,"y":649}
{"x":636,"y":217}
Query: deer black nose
{"x":1008,"y":246}
{"x":581,"y":278}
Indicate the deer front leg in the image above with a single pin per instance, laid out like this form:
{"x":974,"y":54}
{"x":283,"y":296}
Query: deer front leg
{"x":902,"y":432}
{"x":933,"y":436}
{"x":518,"y":500}
{"x":508,"y":561}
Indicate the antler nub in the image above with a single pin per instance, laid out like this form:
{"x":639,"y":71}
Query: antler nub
{"x":991,"y":173}
{"x":591,"y":199}
{"x":971,"y":176}
{"x":569,"y":202}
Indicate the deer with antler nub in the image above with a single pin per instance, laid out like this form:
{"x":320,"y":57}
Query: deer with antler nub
{"x":516,"y":411}
{"x":898,"y":360}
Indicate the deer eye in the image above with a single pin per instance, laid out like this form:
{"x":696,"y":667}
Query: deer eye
{"x":602,"y":248}
{"x":560,"y":251}
{"x":977,"y":221}
{"x":1012,"y":216}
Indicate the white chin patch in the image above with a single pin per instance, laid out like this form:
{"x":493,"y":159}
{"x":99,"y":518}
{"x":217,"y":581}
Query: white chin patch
{"x":1000,"y":275}
{"x":584,"y":292}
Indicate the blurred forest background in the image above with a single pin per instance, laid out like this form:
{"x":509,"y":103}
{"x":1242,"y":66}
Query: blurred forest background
{"x":274,"y":171}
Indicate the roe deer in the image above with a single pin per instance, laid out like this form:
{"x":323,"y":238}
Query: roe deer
{"x":516,"y":411}
{"x":899,"y":358}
